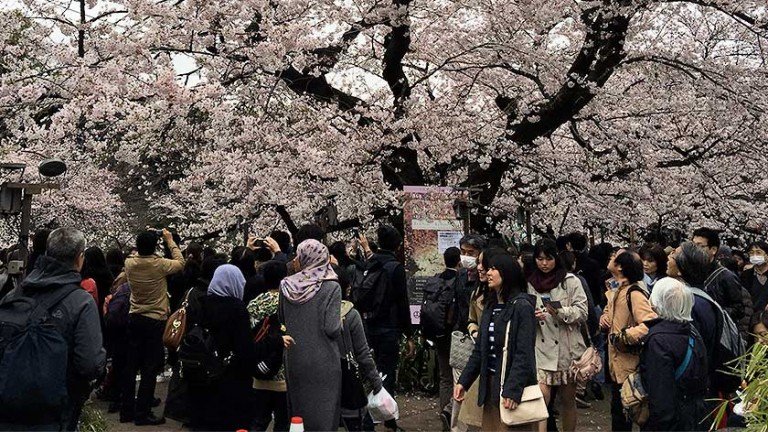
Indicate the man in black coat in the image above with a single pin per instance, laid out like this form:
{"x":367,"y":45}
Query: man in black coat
{"x":586,"y":267}
{"x":720,"y":283}
{"x":75,"y":317}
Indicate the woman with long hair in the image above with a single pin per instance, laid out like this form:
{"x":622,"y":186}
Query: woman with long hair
{"x":561,"y":309}
{"x":508,"y":311}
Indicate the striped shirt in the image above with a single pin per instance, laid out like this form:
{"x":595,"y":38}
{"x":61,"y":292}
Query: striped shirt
{"x":493,"y":363}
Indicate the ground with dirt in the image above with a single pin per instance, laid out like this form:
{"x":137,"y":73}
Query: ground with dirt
{"x":417,"y":413}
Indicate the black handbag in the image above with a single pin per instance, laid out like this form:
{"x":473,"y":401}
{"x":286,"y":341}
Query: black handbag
{"x":353,"y":395}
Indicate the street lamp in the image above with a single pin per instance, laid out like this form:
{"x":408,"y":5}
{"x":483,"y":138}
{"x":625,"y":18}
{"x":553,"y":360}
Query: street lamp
{"x":16,"y":197}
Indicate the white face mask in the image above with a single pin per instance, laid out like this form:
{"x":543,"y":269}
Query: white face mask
{"x":757,"y":259}
{"x":468,"y":262}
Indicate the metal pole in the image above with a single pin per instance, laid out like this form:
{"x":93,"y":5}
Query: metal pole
{"x":528,"y":226}
{"x":26,"y":216}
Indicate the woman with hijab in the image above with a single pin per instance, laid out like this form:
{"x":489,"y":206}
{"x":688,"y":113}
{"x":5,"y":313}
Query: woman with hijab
{"x":310,"y":301}
{"x":561,"y":310}
{"x":224,"y":405}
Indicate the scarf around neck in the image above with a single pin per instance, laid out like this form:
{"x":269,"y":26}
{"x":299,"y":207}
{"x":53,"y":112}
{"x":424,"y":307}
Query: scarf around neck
{"x":316,"y":268}
{"x":546,"y":282}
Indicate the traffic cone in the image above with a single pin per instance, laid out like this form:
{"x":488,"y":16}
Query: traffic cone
{"x":297,"y":425}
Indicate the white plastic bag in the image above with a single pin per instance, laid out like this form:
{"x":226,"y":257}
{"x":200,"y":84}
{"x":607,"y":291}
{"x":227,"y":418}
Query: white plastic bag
{"x":382,"y":406}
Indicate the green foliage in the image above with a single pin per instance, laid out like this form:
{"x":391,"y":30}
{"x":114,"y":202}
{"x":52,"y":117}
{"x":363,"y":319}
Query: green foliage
{"x":92,"y":419}
{"x":755,"y":394}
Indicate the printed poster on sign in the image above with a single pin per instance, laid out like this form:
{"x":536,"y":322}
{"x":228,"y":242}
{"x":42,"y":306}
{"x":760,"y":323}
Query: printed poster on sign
{"x":431,"y":227}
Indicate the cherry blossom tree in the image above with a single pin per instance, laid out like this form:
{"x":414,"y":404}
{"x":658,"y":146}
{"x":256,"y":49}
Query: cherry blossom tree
{"x":603,"y":113}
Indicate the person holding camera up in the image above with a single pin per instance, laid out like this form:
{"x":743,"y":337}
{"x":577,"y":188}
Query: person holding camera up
{"x":146,"y":273}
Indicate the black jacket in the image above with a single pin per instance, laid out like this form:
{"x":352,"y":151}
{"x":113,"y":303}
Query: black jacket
{"x":77,"y":318}
{"x":521,"y":363}
{"x":591,"y":271}
{"x":462,"y":295}
{"x":225,"y":405}
{"x":724,"y":286}
{"x":675,"y":405}
{"x":758,"y":293}
{"x":79,"y":321}
{"x":398,"y":309}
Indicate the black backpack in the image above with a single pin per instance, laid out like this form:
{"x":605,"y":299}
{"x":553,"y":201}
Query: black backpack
{"x":438,"y":309}
{"x":730,"y":348}
{"x":201,"y":362}
{"x":372,"y":288}
{"x":35,"y":355}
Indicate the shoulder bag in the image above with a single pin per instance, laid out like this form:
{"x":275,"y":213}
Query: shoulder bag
{"x":531,"y":408}
{"x":461,"y":349}
{"x":353,"y":396}
{"x":176,"y":326}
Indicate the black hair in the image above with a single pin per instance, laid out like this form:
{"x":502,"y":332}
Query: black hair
{"x":561,"y":243}
{"x":602,"y":254}
{"x":757,"y":244}
{"x":40,"y":242}
{"x":713,"y":238}
{"x":631,"y":266}
{"x":283,"y":240}
{"x":208,"y":252}
{"x":578,"y":241}
{"x":693,"y":263}
{"x":497,"y":242}
{"x":115,"y":261}
{"x":339,"y":251}
{"x":548,"y":247}
{"x":210,"y":264}
{"x":194,"y":251}
{"x":488,"y":254}
{"x":475,"y":240}
{"x":389,"y":238}
{"x":654,"y":252}
{"x":95,"y":267}
{"x":246,"y":262}
{"x":568,"y":259}
{"x":512,"y":280}
{"x":452,"y":257}
{"x":236,"y":253}
{"x":274,"y":272}
{"x":146,"y":243}
{"x":310,"y":232}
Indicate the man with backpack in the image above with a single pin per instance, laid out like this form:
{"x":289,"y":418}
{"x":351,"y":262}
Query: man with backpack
{"x":438,"y":319}
{"x":149,"y":310}
{"x":720,"y":283}
{"x":382,"y":298}
{"x":51,"y":341}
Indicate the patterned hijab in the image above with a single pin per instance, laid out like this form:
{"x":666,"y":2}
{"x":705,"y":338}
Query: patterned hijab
{"x":228,"y":281}
{"x":314,"y":261}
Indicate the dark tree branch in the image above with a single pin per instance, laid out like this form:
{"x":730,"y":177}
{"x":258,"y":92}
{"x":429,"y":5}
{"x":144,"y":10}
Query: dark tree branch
{"x":602,"y":51}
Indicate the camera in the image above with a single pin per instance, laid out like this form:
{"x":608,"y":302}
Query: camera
{"x":159,"y":233}
{"x":355,"y":233}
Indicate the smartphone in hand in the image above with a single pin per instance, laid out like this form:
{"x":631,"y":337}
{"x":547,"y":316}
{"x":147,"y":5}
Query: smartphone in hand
{"x":556,"y":304}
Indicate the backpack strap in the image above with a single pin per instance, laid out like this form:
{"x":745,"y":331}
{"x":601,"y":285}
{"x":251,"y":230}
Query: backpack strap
{"x":45,"y":305}
{"x":714,"y":274}
{"x":686,"y":361}
{"x":632,"y":288}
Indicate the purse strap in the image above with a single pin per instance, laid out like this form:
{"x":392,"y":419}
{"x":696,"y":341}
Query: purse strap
{"x":185,"y":302}
{"x":505,"y":351}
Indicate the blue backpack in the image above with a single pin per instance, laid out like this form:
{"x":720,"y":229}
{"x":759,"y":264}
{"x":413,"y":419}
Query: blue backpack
{"x":33,"y":367}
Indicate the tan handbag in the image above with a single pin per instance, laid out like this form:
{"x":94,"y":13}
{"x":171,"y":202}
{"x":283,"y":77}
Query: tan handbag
{"x":590,"y":363}
{"x":176,"y":326}
{"x":531,"y":408}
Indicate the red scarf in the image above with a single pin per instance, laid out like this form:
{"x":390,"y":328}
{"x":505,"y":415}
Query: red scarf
{"x":546,"y":282}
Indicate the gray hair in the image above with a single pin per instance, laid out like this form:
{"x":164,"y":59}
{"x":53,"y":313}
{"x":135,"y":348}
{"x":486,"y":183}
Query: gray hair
{"x":672,"y":300}
{"x":65,"y":245}
{"x":693,"y":263}
{"x":476,"y":241}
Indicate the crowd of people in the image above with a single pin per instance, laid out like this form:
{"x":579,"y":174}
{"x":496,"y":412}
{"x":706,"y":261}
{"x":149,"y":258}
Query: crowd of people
{"x":283,"y":327}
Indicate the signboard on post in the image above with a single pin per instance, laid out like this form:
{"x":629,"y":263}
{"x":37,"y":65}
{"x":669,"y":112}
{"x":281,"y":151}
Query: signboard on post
{"x":431,"y":227}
